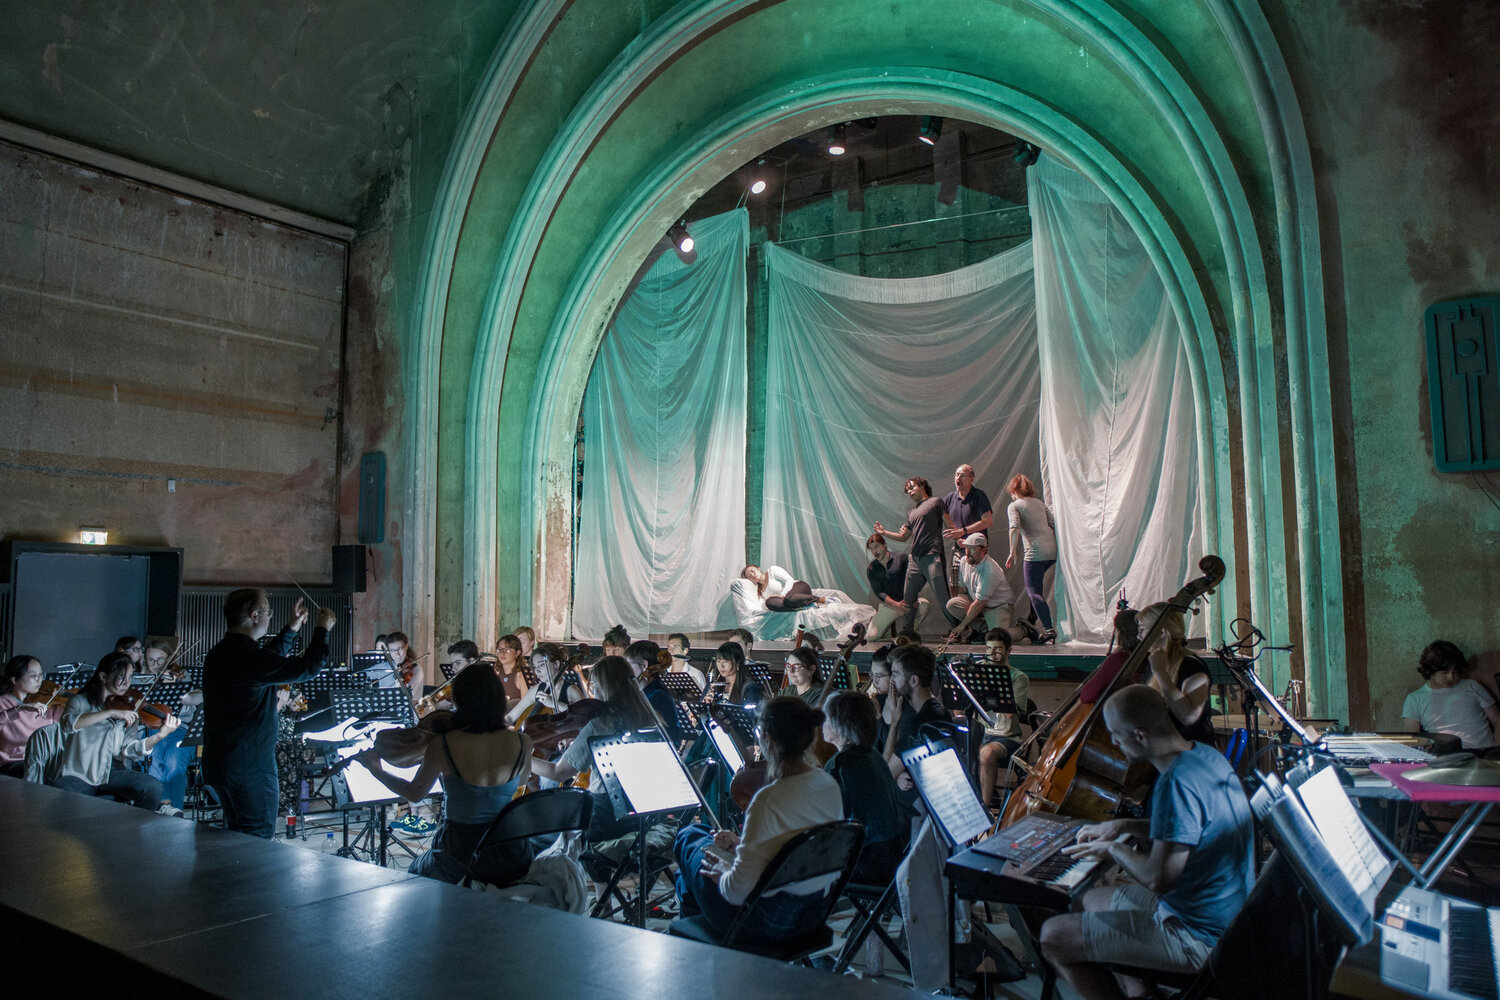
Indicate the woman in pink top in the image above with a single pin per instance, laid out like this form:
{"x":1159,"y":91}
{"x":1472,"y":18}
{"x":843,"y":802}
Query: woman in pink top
{"x":19,"y":720}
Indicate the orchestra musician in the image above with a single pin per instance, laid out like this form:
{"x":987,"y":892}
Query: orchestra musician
{"x":169,"y":759}
{"x":240,"y":704}
{"x":18,"y":720}
{"x":527,"y":635}
{"x":678,"y":646}
{"x":616,"y":641}
{"x":1190,"y":879}
{"x":912,"y":671}
{"x":1450,"y":701}
{"x":1004,"y":738}
{"x":924,"y":526}
{"x":868,"y":790}
{"x":798,"y":797}
{"x":131,"y":647}
{"x":93,"y":735}
{"x":745,"y":639}
{"x":408,"y":669}
{"x":879,"y":690}
{"x":1177,"y":675}
{"x":550,"y":691}
{"x":642,"y":655}
{"x":482,"y":762}
{"x":731,"y":676}
{"x":508,"y":666}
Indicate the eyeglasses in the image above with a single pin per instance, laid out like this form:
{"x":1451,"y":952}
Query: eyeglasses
{"x":262,"y":611}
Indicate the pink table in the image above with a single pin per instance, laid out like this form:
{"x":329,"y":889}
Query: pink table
{"x":1479,"y":798}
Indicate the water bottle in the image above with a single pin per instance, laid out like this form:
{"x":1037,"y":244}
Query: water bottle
{"x":328,"y":844}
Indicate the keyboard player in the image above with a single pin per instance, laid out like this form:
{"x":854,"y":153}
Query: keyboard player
{"x":1190,"y":880}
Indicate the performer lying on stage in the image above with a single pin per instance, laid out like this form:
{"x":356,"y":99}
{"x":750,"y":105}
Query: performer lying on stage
{"x":825,"y":613}
{"x":1191,"y":880}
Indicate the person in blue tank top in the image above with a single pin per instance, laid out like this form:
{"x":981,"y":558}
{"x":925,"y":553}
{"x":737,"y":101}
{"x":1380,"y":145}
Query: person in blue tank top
{"x":482,"y":762}
{"x":1191,"y":877}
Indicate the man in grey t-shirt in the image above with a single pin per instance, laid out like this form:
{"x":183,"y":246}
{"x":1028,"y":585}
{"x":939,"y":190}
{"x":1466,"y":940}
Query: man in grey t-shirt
{"x":1191,"y":880}
{"x":924,"y":527}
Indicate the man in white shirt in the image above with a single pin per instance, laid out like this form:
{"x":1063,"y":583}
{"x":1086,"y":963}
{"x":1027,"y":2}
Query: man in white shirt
{"x":989,"y":599}
{"x":678,"y":646}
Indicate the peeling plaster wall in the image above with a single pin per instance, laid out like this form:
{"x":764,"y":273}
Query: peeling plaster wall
{"x":1403,"y":110}
{"x":148,"y":341}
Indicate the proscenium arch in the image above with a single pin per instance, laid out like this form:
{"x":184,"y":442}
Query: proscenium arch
{"x":701,"y":161}
{"x":1145,"y":63}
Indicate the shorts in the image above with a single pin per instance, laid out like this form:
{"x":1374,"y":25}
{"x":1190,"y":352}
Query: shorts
{"x":1134,"y":931}
{"x":1010,"y":743}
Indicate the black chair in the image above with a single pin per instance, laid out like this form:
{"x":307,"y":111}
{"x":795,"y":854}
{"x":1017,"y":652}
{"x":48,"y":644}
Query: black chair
{"x":830,"y":849}
{"x":1278,"y":919}
{"x":871,"y":905}
{"x":536,"y":814}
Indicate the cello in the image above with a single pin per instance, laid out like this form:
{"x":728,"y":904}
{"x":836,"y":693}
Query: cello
{"x":1081,"y":772}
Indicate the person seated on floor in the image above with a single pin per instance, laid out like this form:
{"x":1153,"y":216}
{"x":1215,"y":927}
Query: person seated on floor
{"x":1190,"y":877}
{"x":802,"y":675}
{"x":799,"y":796}
{"x":18,"y":720}
{"x":678,"y":645}
{"x":868,"y":790}
{"x":551,"y":692}
{"x":1450,"y":702}
{"x":482,"y":762}
{"x":1004,"y":737}
{"x":93,"y":735}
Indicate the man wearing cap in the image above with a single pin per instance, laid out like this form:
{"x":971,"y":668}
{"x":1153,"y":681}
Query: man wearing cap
{"x":989,"y":597}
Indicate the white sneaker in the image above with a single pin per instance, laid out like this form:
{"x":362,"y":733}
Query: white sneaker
{"x":167,"y":809}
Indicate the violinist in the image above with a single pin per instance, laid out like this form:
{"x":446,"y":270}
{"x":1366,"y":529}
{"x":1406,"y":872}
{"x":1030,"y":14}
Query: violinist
{"x":169,"y":759}
{"x":644,"y":657}
{"x":868,"y":790}
{"x":1178,"y":676}
{"x":678,"y":646}
{"x":94,"y":734}
{"x":798,"y":797}
{"x":239,"y":705}
{"x":18,"y":719}
{"x":802,"y":675}
{"x":730,"y":678}
{"x":131,"y":647}
{"x":406,"y":668}
{"x":1190,"y":877}
{"x":550,"y":692}
{"x":482,"y":762}
{"x":527,"y":637}
{"x":508,"y":666}
{"x":616,"y":641}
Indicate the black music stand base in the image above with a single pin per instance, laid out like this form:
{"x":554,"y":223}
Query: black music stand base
{"x":981,"y":938}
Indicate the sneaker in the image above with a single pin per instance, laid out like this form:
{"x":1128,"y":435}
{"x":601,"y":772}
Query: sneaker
{"x":167,"y":809}
{"x":411,"y":823}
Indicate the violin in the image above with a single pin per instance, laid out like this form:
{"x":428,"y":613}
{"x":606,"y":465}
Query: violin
{"x":1080,"y":772}
{"x":49,"y":692}
{"x":550,"y":729}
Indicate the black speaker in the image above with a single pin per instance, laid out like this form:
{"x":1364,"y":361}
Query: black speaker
{"x":348,"y":569}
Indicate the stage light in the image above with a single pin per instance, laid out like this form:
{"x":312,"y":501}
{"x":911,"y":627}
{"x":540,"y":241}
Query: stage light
{"x":932,"y":130}
{"x":680,"y":237}
{"x":93,"y":536}
{"x":1026,"y":153}
{"x":836,"y":145}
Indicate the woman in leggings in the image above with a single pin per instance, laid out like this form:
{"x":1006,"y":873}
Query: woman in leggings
{"x":1032,"y":535}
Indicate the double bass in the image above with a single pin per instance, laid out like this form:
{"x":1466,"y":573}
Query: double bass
{"x":1080,"y":772}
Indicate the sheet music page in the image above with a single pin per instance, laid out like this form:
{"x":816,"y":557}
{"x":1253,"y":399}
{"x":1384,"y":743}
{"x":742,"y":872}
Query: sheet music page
{"x":652,"y":779}
{"x":947,"y":790}
{"x":1341,"y":829}
{"x":726,"y":746}
{"x":364,"y":786}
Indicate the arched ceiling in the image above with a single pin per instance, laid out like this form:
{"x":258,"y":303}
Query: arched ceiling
{"x":318,"y":107}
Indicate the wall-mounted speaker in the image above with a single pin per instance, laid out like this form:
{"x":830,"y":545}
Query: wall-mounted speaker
{"x":348,"y":569}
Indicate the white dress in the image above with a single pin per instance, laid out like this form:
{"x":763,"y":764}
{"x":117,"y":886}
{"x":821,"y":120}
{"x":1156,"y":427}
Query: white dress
{"x":826,"y":621}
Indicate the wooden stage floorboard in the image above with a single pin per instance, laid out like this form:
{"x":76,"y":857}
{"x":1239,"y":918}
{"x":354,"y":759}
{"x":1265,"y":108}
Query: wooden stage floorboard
{"x":98,"y":896}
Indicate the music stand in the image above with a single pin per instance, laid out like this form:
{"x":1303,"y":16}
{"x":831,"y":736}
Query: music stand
{"x":729,"y":751}
{"x":828,"y":662}
{"x":681,"y":686}
{"x":739,"y":720}
{"x":70,"y":674}
{"x":391,"y":704}
{"x":170,"y":695}
{"x":1253,"y":693}
{"x":361,"y":662}
{"x":355,"y":789}
{"x":194,"y":736}
{"x":528,"y":673}
{"x":760,"y":671}
{"x":644,"y":778}
{"x":983,"y":686}
{"x":321,"y":686}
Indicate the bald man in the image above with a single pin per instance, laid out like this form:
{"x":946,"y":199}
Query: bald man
{"x":1192,"y":875}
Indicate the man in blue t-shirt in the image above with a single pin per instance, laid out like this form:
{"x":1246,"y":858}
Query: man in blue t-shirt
{"x":1191,"y":880}
{"x":969,"y":509}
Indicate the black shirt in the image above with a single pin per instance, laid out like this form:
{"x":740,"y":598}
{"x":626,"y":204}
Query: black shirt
{"x":888,"y":579}
{"x":1201,"y":731}
{"x":968,"y":510}
{"x":926,"y":523}
{"x":661,"y":699}
{"x":869,"y":792}
{"x":907,"y":735}
{"x":239,"y":695}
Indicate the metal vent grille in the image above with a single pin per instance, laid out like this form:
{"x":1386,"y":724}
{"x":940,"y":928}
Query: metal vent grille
{"x":200,"y":617}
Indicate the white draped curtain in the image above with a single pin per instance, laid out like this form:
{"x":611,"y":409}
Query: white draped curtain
{"x":1118,"y":423}
{"x":662,"y":519}
{"x":870,"y":381}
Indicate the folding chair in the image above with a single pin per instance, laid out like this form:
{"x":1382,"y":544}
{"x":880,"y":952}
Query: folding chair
{"x":536,"y":814}
{"x":830,"y":849}
{"x":871,"y":904}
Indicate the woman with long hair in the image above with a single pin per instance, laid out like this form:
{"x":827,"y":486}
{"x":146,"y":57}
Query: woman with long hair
{"x":482,"y":762}
{"x":18,"y":720}
{"x":717,"y":869}
{"x":729,"y":675}
{"x":94,"y":735}
{"x":1180,"y":677}
{"x":508,"y":660}
{"x":1033,"y":537}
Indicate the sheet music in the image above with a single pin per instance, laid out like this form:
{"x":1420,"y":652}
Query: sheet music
{"x":1351,"y":845}
{"x":946,"y":788}
{"x":725,"y":743}
{"x":651,"y":777}
{"x":364,"y":786}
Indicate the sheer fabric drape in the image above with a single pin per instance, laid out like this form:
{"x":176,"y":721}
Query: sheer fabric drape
{"x":1118,"y":422}
{"x":662,"y":520}
{"x":872,"y":380}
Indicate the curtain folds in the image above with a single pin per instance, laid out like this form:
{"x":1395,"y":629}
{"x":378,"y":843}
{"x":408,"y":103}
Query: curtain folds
{"x":1119,"y":437}
{"x":872,"y":380}
{"x":662,"y":519}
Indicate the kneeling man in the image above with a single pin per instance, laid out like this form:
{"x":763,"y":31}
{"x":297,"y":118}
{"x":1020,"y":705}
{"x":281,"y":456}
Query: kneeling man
{"x":1192,"y":878}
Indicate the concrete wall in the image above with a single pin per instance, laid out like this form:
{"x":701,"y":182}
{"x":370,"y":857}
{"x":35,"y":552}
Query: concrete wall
{"x":169,"y":370}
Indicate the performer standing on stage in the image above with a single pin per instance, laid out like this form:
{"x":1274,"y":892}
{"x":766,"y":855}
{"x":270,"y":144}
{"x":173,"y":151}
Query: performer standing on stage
{"x":1190,"y":882}
{"x":924,"y":526}
{"x":970,"y":511}
{"x":239,"y":705}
